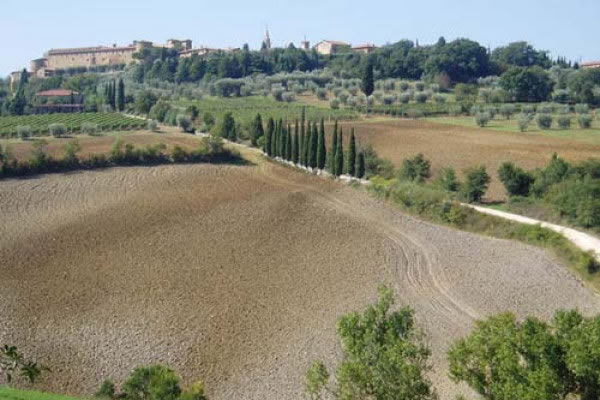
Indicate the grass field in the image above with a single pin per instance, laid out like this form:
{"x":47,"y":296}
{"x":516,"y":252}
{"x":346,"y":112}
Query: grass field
{"x":39,"y":123}
{"x":466,"y":146}
{"x":591,"y":135}
{"x":244,"y":109}
{"x":14,"y":394}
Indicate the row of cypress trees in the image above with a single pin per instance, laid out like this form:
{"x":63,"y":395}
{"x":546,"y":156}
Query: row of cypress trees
{"x":306,"y":145}
{"x":114,"y":95}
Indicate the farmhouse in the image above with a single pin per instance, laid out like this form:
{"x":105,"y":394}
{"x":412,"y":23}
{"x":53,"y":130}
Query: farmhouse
{"x":328,"y":47}
{"x":366,"y":48}
{"x":591,"y":65}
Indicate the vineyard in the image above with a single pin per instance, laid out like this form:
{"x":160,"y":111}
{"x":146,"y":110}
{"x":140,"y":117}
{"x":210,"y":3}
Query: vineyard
{"x":244,"y":109}
{"x":39,"y":123}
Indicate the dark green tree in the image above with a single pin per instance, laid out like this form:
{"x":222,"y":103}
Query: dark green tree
{"x":257,"y":130}
{"x":332,"y":151}
{"x":368,"y":80}
{"x":288,"y":143}
{"x":314,"y":143}
{"x":527,"y":84}
{"x":307,"y":145}
{"x":360,"y":165}
{"x":516,"y":181}
{"x":152,"y":383}
{"x":228,"y":127}
{"x":339,"y":155}
{"x":296,"y":145}
{"x":416,"y":169}
{"x":321,"y":147}
{"x":121,"y":96}
{"x":351,"y":159}
{"x":269,"y":137}
{"x":476,"y":184}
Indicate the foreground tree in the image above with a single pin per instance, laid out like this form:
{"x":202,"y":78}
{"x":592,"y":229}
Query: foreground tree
{"x":504,"y":359}
{"x":331,"y":154}
{"x":296,"y":145}
{"x":476,"y":184}
{"x":368,"y":80}
{"x":360,"y":165}
{"x":339,"y":155}
{"x":384,"y":357}
{"x":257,"y":130}
{"x":228,"y":127}
{"x":516,"y":181}
{"x":121,"y":96}
{"x":269,"y":136}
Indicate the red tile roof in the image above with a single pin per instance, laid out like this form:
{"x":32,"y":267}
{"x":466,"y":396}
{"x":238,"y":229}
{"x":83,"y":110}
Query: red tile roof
{"x":57,"y":93}
{"x":590,"y":63}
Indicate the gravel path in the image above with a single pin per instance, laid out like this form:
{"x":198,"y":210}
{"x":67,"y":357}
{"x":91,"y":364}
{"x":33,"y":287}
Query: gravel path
{"x":580,"y":239}
{"x":237,"y":275}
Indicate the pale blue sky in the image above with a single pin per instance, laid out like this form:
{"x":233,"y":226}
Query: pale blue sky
{"x":28,"y":28}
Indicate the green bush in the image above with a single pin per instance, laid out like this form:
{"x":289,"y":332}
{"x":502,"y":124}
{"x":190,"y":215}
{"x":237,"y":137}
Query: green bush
{"x":448,"y":180}
{"x":185,"y":123}
{"x":421,"y":97}
{"x":334,"y":104}
{"x":584,"y":121}
{"x":57,"y":130}
{"x":524,"y":121}
{"x":516,"y":181}
{"x":152,"y":125}
{"x":89,"y":128}
{"x":564,"y":121}
{"x":507,"y":110}
{"x":544,"y":121}
{"x":24,"y":131}
{"x":415,"y":169}
{"x":476,"y":184}
{"x":482,"y":119}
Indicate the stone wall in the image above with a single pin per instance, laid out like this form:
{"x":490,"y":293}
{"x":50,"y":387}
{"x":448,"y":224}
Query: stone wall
{"x":70,"y":58}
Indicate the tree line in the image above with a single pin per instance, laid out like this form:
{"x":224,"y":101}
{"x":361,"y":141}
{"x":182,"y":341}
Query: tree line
{"x":306,"y":145}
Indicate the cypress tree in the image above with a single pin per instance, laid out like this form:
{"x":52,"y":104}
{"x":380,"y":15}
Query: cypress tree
{"x":288,"y":143}
{"x":269,"y":137}
{"x":314,"y":142}
{"x":360,"y":165}
{"x":351,"y":159}
{"x":257,"y":130}
{"x":113,"y":94}
{"x":368,"y":84}
{"x":296,"y":145}
{"x":281,"y":140}
{"x":307,"y":146}
{"x":274,"y":142}
{"x":321,"y":147}
{"x":331,"y":159}
{"x":121,"y":96}
{"x":301,"y":148}
{"x":339,"y":155}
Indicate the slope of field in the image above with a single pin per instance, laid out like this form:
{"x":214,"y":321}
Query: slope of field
{"x":236,"y":275}
{"x":462,"y":147}
{"x":14,"y":394}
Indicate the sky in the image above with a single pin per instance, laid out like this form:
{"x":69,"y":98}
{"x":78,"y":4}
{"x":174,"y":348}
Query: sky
{"x":28,"y":29}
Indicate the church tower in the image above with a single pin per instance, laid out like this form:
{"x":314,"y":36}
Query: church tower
{"x":267,"y":42}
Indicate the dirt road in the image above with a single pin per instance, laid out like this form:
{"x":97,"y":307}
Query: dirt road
{"x":237,"y":275}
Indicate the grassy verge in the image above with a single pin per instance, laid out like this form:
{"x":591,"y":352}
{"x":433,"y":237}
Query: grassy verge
{"x":439,"y":206}
{"x":14,"y":394}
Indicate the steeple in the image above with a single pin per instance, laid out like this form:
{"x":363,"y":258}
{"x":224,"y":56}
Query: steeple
{"x":267,"y":41}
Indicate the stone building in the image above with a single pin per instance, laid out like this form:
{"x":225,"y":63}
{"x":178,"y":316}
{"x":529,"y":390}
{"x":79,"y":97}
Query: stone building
{"x":328,"y":47}
{"x":366,"y":48}
{"x":182,"y":45}
{"x":591,"y":65}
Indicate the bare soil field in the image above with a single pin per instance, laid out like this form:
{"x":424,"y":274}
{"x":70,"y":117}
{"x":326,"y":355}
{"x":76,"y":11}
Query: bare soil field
{"x":102,"y":144}
{"x":236,"y":275}
{"x":463,"y":147}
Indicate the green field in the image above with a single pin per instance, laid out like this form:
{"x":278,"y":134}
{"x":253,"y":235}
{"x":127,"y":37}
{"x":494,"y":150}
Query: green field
{"x":591,"y":135}
{"x":244,"y":109}
{"x":14,"y":394}
{"x":39,"y":122}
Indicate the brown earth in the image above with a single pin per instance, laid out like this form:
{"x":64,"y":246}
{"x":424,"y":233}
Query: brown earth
{"x":236,"y":275}
{"x":463,"y":147}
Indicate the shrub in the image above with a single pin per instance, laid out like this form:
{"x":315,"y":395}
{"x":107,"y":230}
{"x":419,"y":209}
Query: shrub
{"x":414,"y":113}
{"x":389,"y":99}
{"x":544,"y":121}
{"x":448,"y":180}
{"x":564,"y":121}
{"x":152,"y":383}
{"x":404,"y":86}
{"x":439,"y":98}
{"x":288,"y":97}
{"x":322,"y":94}
{"x":334,"y":104}
{"x":434,"y":87}
{"x":475,"y":110}
{"x":421,"y":97}
{"x":24,"y":131}
{"x":486,"y":95}
{"x":516,"y":181}
{"x":482,"y":119}
{"x":89,"y":128}
{"x":507,"y":110}
{"x":582,"y":108}
{"x":528,"y":109}
{"x":476,"y":184}
{"x":107,"y":390}
{"x":492,"y":111}
{"x":415,"y":169}
{"x":343,"y":96}
{"x":524,"y":121}
{"x":584,"y":121}
{"x":404,"y":98}
{"x":420,"y":86}
{"x":561,"y":96}
{"x":57,"y":130}
{"x":152,"y":125}
{"x":455,"y":110}
{"x":185,"y":123}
